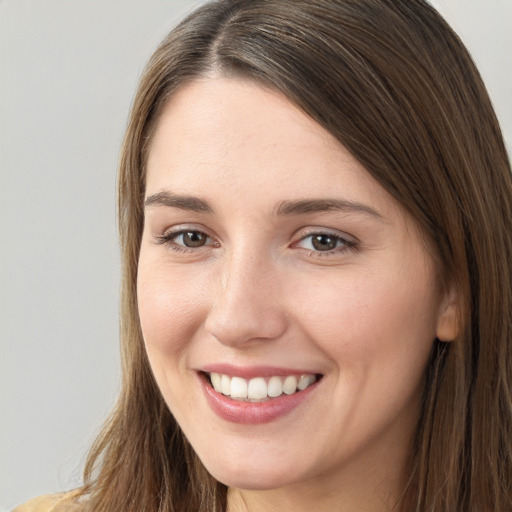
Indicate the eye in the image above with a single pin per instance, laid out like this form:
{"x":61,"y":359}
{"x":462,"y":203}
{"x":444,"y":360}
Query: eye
{"x":183,"y":240}
{"x":325,"y":243}
{"x":190,"y":239}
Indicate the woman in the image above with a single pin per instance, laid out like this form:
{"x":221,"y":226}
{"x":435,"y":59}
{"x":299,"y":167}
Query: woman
{"x":315,"y":216}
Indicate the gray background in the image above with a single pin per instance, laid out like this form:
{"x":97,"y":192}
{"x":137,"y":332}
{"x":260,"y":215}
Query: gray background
{"x":68,"y":71}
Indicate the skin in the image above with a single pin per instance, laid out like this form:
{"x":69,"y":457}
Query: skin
{"x":258,"y":292}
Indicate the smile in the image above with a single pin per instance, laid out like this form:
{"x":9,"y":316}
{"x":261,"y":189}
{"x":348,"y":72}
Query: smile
{"x":258,"y":394}
{"x":259,"y":389}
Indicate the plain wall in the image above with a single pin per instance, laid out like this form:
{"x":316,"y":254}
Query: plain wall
{"x":68,"y":71}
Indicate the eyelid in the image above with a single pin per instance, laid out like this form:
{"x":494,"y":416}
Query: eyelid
{"x":349,"y":241}
{"x":318,"y":230}
{"x":168,"y":236}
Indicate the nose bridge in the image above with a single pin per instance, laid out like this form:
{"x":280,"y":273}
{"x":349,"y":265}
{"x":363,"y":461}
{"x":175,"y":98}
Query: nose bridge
{"x":246,"y":306}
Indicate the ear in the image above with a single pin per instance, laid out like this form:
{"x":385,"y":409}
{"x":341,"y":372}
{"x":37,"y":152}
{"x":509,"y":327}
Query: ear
{"x":448,"y":321}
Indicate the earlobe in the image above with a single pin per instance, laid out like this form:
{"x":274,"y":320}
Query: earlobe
{"x":448,"y":321}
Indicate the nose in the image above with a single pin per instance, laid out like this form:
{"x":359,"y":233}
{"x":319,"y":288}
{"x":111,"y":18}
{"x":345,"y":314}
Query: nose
{"x":247,"y":306}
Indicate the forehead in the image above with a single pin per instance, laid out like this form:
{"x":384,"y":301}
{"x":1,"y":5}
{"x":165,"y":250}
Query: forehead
{"x":217,"y":136}
{"x":231,"y":114}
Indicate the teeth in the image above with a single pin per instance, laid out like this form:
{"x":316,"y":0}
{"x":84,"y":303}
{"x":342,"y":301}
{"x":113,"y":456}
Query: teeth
{"x":216,"y":382}
{"x":238,"y":388}
{"x":225,"y":385}
{"x":304,"y":382}
{"x":290,"y":385}
{"x":259,"y":388}
{"x":275,"y":387}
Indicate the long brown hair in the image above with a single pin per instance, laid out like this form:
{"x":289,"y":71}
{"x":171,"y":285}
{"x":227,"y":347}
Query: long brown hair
{"x":395,"y":85}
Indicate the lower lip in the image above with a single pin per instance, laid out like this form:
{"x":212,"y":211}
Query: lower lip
{"x":253,"y":413}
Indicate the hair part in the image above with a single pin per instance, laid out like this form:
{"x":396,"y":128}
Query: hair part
{"x":394,"y":84}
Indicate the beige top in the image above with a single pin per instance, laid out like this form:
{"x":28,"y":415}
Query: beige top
{"x":63,"y":502}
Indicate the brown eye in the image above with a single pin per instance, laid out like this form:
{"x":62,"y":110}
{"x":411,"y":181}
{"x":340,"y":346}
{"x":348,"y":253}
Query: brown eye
{"x":186,"y":240}
{"x":324,"y":242}
{"x":191,"y":239}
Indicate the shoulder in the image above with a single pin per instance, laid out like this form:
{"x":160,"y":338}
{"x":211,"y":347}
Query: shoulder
{"x":62,"y":502}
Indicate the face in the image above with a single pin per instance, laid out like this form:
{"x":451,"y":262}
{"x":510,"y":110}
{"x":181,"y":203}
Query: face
{"x":287,"y":302}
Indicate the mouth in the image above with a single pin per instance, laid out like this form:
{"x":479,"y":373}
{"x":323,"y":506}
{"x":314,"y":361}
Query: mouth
{"x":259,"y":389}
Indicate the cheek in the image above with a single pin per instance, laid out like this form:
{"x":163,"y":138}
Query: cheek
{"x":371,"y":319}
{"x":170,"y":308}
{"x":377,"y":331}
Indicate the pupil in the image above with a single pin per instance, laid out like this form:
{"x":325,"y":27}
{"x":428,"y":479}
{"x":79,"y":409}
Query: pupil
{"x":324,"y":242}
{"x":194,"y":239}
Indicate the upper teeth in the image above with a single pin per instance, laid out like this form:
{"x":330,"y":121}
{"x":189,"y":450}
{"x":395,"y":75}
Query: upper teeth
{"x":259,"y":388}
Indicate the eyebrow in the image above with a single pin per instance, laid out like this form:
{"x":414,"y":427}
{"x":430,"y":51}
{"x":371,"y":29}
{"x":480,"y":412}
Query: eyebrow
{"x":283,"y":208}
{"x":178,"y":201}
{"x":302,"y":206}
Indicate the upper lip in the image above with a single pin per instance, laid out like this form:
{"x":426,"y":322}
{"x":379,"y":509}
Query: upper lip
{"x":250,"y":372}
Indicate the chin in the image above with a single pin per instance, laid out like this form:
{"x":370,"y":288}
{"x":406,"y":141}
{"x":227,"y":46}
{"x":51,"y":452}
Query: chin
{"x":251,"y":477}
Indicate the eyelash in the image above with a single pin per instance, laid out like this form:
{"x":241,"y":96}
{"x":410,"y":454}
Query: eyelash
{"x":346,"y":244}
{"x":169,"y":238}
